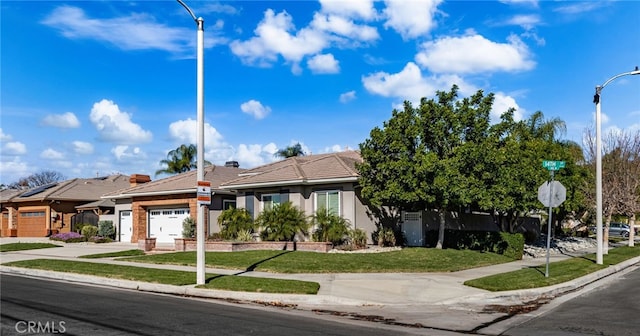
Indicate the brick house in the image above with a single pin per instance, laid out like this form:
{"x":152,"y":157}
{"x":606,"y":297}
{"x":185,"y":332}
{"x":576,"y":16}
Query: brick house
{"x":157,"y":209}
{"x":51,"y":208}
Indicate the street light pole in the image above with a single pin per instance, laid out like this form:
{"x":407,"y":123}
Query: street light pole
{"x":596,"y":99}
{"x":200,"y":255}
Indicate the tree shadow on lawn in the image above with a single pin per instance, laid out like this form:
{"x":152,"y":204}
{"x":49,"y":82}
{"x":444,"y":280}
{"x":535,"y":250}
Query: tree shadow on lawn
{"x":250,"y":268}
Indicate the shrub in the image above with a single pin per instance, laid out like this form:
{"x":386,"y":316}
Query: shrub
{"x":386,"y":237}
{"x":234,"y":221}
{"x":245,"y":236}
{"x":282,"y":222}
{"x":508,"y":244}
{"x":512,"y":245}
{"x":78,"y":227}
{"x":329,"y":227}
{"x":89,"y":231}
{"x":216,"y":236}
{"x":106,"y":229}
{"x":188,"y":228}
{"x":358,"y":238}
{"x":68,"y":237}
{"x":99,"y":239}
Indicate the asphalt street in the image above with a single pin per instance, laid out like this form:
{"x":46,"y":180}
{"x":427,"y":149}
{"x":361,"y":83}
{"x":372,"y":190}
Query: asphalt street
{"x":33,"y":306}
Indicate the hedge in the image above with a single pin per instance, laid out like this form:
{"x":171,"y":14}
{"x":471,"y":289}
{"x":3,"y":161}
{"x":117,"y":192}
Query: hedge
{"x":507,"y":244}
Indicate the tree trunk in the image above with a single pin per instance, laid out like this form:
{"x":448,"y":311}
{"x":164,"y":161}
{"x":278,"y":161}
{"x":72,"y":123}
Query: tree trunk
{"x":632,"y":233}
{"x":442,"y":217}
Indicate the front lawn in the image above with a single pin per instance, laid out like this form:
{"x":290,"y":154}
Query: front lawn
{"x":172,"y":277}
{"x":126,"y":253}
{"x":559,"y":272}
{"x":11,"y":247}
{"x":408,"y":260}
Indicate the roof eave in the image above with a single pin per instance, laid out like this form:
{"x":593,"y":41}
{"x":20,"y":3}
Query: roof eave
{"x":289,"y":183}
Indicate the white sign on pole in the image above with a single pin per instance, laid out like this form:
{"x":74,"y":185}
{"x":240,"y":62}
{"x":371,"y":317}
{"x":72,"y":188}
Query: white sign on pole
{"x":559,"y":194}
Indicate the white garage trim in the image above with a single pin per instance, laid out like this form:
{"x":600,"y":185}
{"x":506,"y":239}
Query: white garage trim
{"x":166,"y":224}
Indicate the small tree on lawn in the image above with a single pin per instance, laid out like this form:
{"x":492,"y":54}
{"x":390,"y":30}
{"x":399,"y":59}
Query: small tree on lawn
{"x":282,"y":222}
{"x":188,"y":228}
{"x":235,"y":221}
{"x":329,"y":227}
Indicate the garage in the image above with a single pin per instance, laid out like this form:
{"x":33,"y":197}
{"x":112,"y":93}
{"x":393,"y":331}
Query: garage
{"x":166,"y":224}
{"x":32,"y":224}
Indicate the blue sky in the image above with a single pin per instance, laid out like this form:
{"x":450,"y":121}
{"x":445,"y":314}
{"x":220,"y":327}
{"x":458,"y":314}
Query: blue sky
{"x":98,"y":87}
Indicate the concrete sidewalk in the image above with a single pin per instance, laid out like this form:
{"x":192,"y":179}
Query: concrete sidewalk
{"x":436,"y":301}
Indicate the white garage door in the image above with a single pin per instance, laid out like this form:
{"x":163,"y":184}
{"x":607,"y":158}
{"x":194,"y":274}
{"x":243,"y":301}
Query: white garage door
{"x":126,"y":226}
{"x":166,"y":224}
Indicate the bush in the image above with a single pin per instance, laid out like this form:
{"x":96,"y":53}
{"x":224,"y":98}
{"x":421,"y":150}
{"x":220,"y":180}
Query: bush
{"x":386,"y":238}
{"x":68,"y":237}
{"x":282,"y":222}
{"x":98,"y":239}
{"x":216,"y":236}
{"x":78,"y":227}
{"x":508,"y":244}
{"x":244,"y":236}
{"x":106,"y":229}
{"x":234,"y":221}
{"x":89,"y":231}
{"x":188,"y":228}
{"x":329,"y":227}
{"x":358,"y":238}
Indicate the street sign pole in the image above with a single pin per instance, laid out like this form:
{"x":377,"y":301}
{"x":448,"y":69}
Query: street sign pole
{"x":546,"y":273}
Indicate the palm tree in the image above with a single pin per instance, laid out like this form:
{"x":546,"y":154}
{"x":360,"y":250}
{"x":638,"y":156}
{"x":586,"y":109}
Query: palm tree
{"x":180,"y":160}
{"x":290,"y":151}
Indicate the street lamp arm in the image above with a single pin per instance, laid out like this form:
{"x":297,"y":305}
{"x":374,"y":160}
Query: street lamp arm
{"x":188,"y":10}
{"x":634,"y":72}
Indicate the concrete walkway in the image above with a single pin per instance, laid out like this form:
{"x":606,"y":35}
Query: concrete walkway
{"x":435,"y":300}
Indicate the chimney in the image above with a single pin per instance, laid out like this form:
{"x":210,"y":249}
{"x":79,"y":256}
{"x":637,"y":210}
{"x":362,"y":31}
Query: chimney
{"x":136,"y":179}
{"x":233,"y":164}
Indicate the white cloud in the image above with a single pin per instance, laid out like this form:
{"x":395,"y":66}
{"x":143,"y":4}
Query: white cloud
{"x":186,"y":132}
{"x":255,"y":108}
{"x":501,"y":104}
{"x":138,"y":31}
{"x":81,"y":147}
{"x":51,"y":154}
{"x":65,"y":120}
{"x":12,"y":171}
{"x":4,"y":136}
{"x":14,"y":148}
{"x":580,"y":7}
{"x":334,"y":149}
{"x":116,"y":126}
{"x":525,"y":21}
{"x":273,"y":38}
{"x":407,"y":84}
{"x":474,"y":54}
{"x":124,"y":152}
{"x":250,"y":156}
{"x":324,"y":64}
{"x":347,"y":97}
{"x":343,"y":26}
{"x":533,"y":3}
{"x":353,"y":8}
{"x":411,"y":19}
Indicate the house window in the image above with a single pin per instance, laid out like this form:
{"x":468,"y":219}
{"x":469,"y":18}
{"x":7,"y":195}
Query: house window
{"x":32,"y":214}
{"x":328,"y":200}
{"x":227,"y":204}
{"x":270,"y":200}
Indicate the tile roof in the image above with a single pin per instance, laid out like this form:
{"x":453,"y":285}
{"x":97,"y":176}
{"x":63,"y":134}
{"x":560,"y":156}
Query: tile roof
{"x":309,"y":169}
{"x":180,"y":183}
{"x":77,"y":189}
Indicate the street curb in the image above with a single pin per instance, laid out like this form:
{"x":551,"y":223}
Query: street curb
{"x":527,"y":295}
{"x":190,"y":290}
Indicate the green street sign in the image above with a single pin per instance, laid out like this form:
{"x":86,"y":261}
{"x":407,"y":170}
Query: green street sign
{"x":553,"y":165}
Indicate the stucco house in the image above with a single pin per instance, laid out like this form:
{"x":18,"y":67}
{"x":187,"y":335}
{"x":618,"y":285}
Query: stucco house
{"x":157,"y":209}
{"x":52,"y":208}
{"x":310,"y":182}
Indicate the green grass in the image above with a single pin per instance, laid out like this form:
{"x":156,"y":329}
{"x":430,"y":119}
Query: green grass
{"x":406,"y":260}
{"x":126,"y":253}
{"x":11,"y":247}
{"x":171,"y":277}
{"x":559,"y":272}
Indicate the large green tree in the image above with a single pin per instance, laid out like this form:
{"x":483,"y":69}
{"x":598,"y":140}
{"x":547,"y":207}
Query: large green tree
{"x":412,"y":162}
{"x":180,"y":160}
